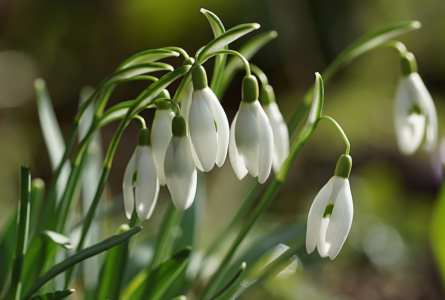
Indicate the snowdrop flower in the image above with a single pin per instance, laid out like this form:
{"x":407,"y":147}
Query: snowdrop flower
{"x":415,"y":117}
{"x":161,"y":133}
{"x":141,"y":174}
{"x":251,"y":138}
{"x":207,"y":123}
{"x":180,"y":171}
{"x":279,"y":128}
{"x":330,"y":216}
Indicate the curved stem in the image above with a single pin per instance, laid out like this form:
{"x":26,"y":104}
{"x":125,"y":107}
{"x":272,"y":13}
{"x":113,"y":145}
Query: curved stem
{"x":260,"y":74}
{"x":340,"y":130}
{"x":141,"y":120}
{"x":178,"y":49}
{"x":399,"y":46}
{"x":236,"y":54}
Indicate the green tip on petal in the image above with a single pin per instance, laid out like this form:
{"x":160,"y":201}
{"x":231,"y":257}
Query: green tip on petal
{"x":199,"y":77}
{"x":144,"y":137}
{"x":344,"y":165}
{"x":408,"y":64}
{"x":267,"y":95}
{"x":178,"y":126}
{"x":328,"y":210}
{"x":250,"y":89}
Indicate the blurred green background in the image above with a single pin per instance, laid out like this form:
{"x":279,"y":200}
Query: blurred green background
{"x":388,"y":254}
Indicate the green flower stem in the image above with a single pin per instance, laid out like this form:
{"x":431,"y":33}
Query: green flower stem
{"x":236,"y":54}
{"x":22,"y":233}
{"x":260,"y":74}
{"x":399,"y":46}
{"x":81,"y":256}
{"x":179,"y":94}
{"x":340,"y":130}
{"x":141,"y":120}
{"x":165,"y":237}
{"x":264,"y":203}
{"x":252,"y":194}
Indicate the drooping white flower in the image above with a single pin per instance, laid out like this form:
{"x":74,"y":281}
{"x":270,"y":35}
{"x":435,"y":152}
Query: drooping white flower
{"x":415,"y":116}
{"x":141,"y":174}
{"x":161,"y":133}
{"x":251,"y":138}
{"x":331,"y":213}
{"x":179,"y":167}
{"x":207,"y":123}
{"x":279,"y":128}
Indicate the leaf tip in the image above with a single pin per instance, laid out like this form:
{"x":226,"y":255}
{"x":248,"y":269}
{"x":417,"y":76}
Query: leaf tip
{"x":203,"y":10}
{"x":243,"y":266}
{"x":416,"y":24}
{"x":273,"y":34}
{"x":39,"y":84}
{"x":256,"y":25}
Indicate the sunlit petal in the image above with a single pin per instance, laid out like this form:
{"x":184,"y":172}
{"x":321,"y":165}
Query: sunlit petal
{"x":316,"y":214}
{"x":127,"y":186}
{"x":340,"y":220}
{"x":266,"y":144}
{"x":202,"y":131}
{"x":161,"y":134}
{"x":147,"y":184}
{"x":236,"y":160}
{"x":280,"y":135}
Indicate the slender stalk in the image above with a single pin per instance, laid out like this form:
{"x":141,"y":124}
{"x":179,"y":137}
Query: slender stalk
{"x":22,"y":233}
{"x":340,"y":130}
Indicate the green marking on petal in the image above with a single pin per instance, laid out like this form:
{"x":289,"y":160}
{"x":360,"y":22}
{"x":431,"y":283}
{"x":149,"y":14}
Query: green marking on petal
{"x":328,"y":210}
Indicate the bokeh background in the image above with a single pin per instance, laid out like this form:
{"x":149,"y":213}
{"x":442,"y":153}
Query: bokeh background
{"x":388,"y":254}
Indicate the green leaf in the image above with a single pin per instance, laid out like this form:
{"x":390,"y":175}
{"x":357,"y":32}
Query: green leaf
{"x":367,"y":43}
{"x":248,"y":50}
{"x":81,"y":256}
{"x":51,"y":134}
{"x":220,"y":61}
{"x":37,"y":194}
{"x":21,"y":242}
{"x":54,"y":295}
{"x":117,"y":112}
{"x":233,"y":283}
{"x":7,"y":249}
{"x":113,"y":270}
{"x":163,"y":276}
{"x":224,"y":39}
{"x":438,"y":231}
{"x":135,"y":71}
{"x":147,"y":57}
{"x":40,"y":255}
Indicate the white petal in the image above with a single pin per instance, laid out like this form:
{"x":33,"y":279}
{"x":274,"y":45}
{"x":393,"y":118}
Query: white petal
{"x":236,"y":160}
{"x":222,"y":125}
{"x":322,"y":245}
{"x":247,"y":136}
{"x":202,"y":131}
{"x":180,"y":173}
{"x":147,"y":184}
{"x":428,"y":106}
{"x":280,"y":135}
{"x":340,"y":220}
{"x":266,"y":145}
{"x":186,"y":101}
{"x":161,"y":134}
{"x":316,"y":214}
{"x":127,"y":186}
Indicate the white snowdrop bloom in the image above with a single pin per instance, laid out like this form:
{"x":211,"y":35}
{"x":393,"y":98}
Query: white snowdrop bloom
{"x":331,"y":213}
{"x":179,"y":167}
{"x":140,"y":174}
{"x":279,"y":128}
{"x":161,"y":133}
{"x":251,"y":138}
{"x":207,"y":123}
{"x":415,"y":116}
